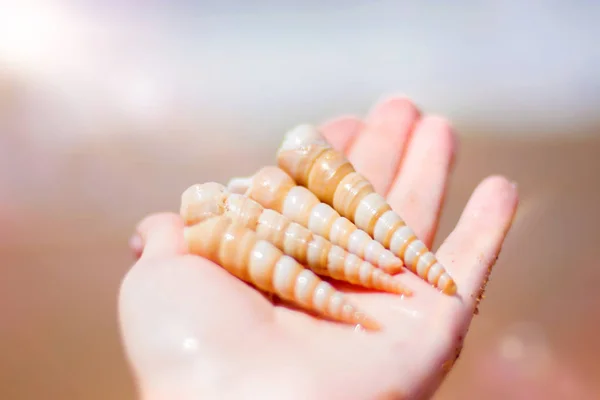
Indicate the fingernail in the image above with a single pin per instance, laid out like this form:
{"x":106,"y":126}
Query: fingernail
{"x":136,"y":244}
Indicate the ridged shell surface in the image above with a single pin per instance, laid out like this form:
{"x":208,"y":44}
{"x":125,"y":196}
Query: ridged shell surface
{"x":240,"y":251}
{"x":203,"y":201}
{"x":273,"y":188}
{"x":311,"y":162}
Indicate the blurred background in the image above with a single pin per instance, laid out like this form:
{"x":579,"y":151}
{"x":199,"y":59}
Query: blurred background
{"x":109,"y":110}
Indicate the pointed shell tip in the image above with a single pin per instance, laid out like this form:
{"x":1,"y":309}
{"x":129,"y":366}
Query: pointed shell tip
{"x":371,"y":324}
{"x":450,"y":288}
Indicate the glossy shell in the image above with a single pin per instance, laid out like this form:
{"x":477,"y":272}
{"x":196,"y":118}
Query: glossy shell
{"x":273,"y":188}
{"x":242,"y":253}
{"x":313,"y":163}
{"x":203,"y":201}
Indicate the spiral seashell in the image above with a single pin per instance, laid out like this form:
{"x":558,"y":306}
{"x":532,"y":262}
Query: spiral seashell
{"x":203,"y":201}
{"x":307,"y":157}
{"x":240,"y":251}
{"x":273,"y":188}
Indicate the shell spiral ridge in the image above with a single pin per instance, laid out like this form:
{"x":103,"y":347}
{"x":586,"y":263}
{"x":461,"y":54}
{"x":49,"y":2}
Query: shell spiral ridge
{"x":242,"y":253}
{"x":273,"y":188}
{"x":293,"y":239}
{"x":313,"y":163}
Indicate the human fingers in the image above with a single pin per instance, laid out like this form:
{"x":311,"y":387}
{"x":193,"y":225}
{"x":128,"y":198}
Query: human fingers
{"x":470,"y":251}
{"x":341,"y":132}
{"x":377,"y":151}
{"x":418,"y":191}
{"x":158,"y":235}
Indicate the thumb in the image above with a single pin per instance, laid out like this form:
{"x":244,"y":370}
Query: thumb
{"x":159,"y":235}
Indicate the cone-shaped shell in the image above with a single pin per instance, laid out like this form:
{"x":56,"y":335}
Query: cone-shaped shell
{"x":239,"y":250}
{"x":313,"y":163}
{"x":203,"y":201}
{"x":273,"y":188}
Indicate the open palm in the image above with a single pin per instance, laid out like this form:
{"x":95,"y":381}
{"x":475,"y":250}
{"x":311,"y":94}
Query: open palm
{"x":192,"y":331}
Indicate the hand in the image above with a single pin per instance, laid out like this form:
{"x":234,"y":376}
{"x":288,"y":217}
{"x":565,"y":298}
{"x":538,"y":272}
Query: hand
{"x":193,"y":331}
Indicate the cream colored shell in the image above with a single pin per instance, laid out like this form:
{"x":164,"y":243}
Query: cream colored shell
{"x":203,"y":201}
{"x":273,"y":188}
{"x":240,"y":251}
{"x":313,"y":163}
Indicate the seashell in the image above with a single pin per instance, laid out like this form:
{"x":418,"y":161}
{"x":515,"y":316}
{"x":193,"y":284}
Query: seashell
{"x":273,"y":188}
{"x":203,"y":201}
{"x":307,"y":157}
{"x":240,"y":251}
